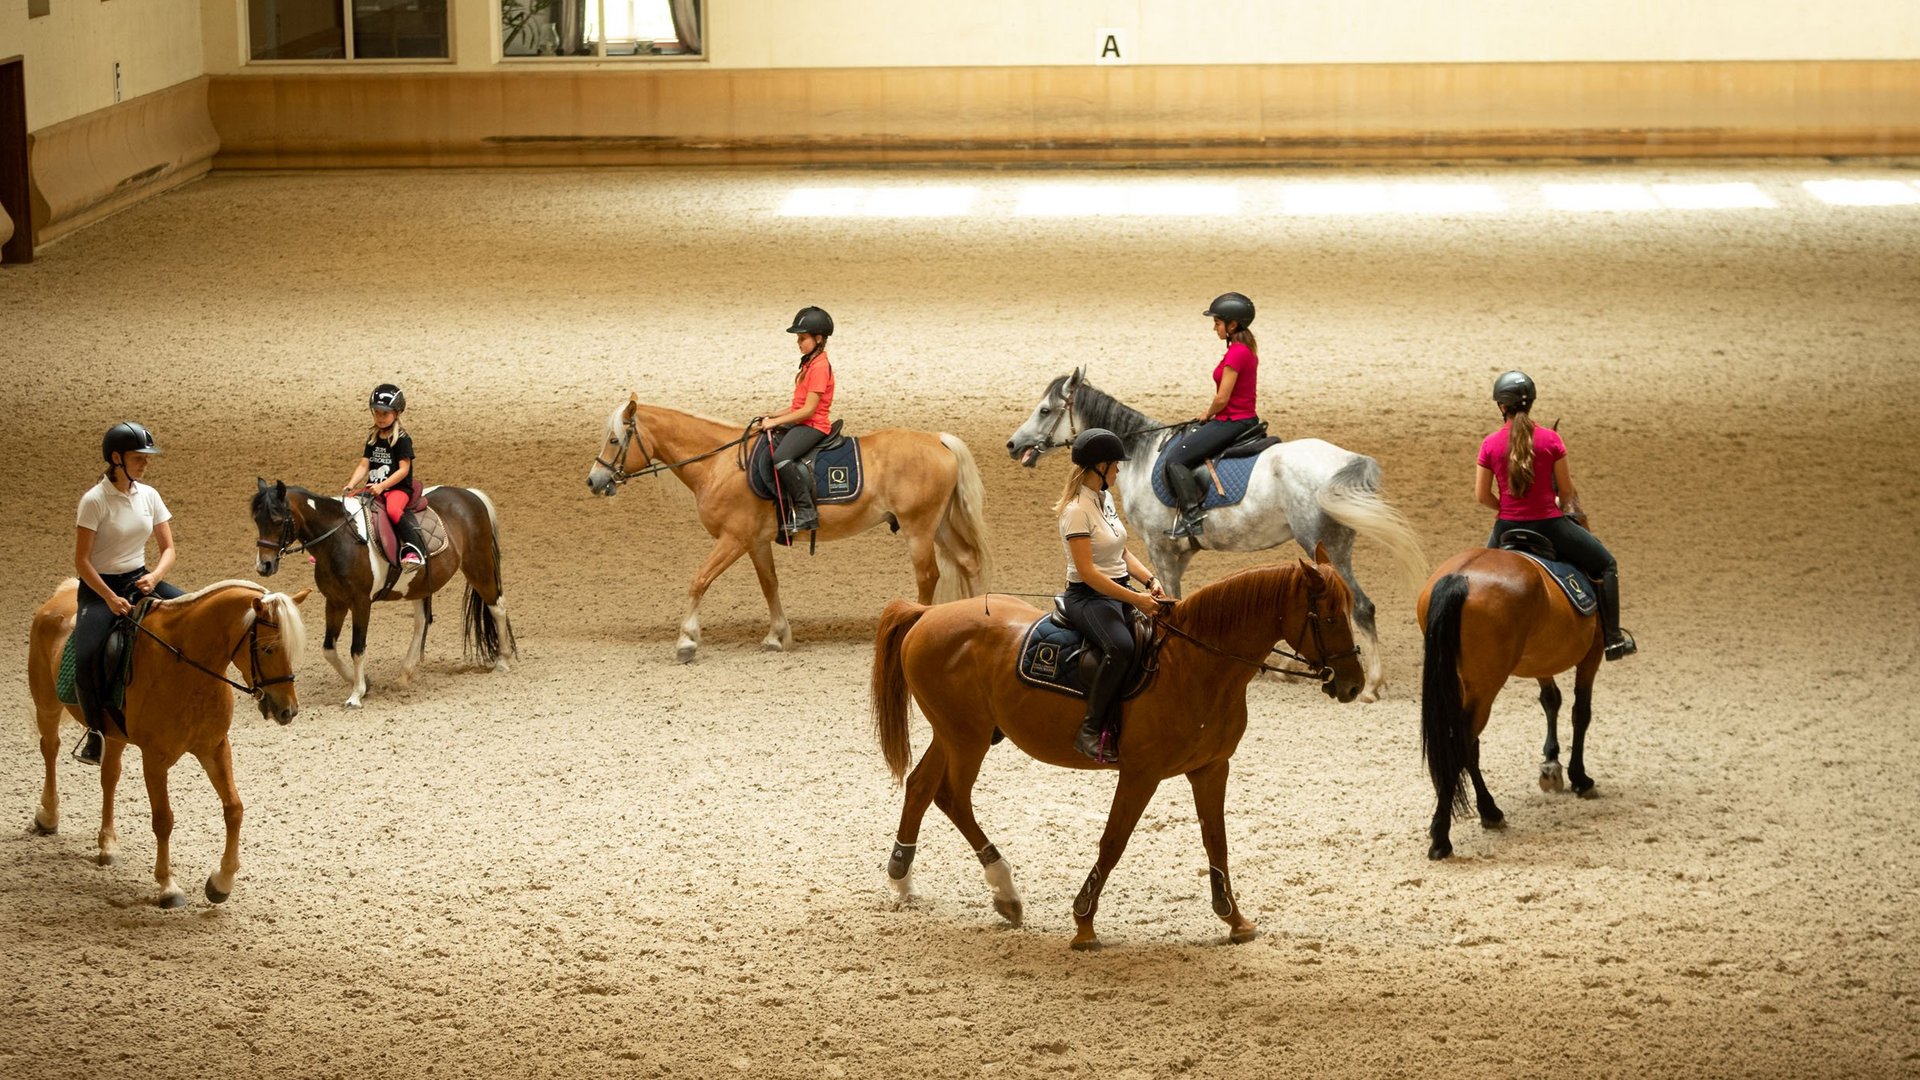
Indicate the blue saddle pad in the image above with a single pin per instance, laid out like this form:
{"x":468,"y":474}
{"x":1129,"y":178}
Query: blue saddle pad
{"x":1050,"y":659}
{"x":836,"y":472}
{"x":1578,"y":587}
{"x":1234,"y":473}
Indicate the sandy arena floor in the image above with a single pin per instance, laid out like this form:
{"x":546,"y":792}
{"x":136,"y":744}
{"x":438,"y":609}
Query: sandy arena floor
{"x":606,"y":863}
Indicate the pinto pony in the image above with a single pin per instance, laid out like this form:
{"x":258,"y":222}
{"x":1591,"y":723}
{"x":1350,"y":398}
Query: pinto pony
{"x":919,"y":483}
{"x":293,"y":519}
{"x":957,"y":661}
{"x":179,"y":702}
{"x":1489,"y":615}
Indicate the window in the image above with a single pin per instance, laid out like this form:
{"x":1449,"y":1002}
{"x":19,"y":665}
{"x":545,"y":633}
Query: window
{"x":39,"y":8}
{"x":347,"y":29}
{"x":600,"y":28}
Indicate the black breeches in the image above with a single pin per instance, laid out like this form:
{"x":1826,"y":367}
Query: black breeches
{"x":794,"y":443}
{"x":90,"y":627}
{"x":1104,"y":620}
{"x":1194,"y":448}
{"x":1572,"y":543}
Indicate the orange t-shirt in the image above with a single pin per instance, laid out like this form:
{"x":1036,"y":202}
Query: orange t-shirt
{"x":815,"y":378}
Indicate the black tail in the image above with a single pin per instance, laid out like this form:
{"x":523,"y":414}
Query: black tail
{"x":1443,"y":719}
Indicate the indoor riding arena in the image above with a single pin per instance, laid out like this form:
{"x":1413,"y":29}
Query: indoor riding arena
{"x":654,"y":840}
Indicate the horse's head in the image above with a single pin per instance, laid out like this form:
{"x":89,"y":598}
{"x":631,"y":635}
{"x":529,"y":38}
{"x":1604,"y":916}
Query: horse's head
{"x":278,"y":637}
{"x":623,"y":449}
{"x":1051,"y":424}
{"x":1325,"y":636}
{"x":273,"y":525}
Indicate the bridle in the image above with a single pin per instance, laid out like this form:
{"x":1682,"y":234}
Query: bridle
{"x":253,"y":658}
{"x":630,"y":434}
{"x":1051,"y":441}
{"x":287,"y":540}
{"x":1319,"y":671}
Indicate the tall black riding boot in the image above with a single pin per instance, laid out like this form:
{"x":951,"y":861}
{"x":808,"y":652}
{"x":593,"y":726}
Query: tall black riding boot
{"x":407,"y":530}
{"x":1191,"y":493}
{"x":796,"y":485}
{"x":1619,"y":642}
{"x":1100,"y":700}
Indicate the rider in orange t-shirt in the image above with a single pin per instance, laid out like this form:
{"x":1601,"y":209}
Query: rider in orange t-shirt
{"x":800,"y":429}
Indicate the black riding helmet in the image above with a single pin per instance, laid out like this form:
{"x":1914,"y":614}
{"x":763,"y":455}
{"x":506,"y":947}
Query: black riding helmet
{"x":127,"y":437}
{"x":1097,"y":446}
{"x":387,"y":397}
{"x":812,"y":320}
{"x":1513,"y":392}
{"x":1231,"y":307}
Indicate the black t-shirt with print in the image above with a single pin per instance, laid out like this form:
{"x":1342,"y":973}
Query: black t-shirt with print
{"x":382,"y":456}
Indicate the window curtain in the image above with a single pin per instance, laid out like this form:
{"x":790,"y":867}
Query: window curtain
{"x":686,"y":23}
{"x":570,"y":24}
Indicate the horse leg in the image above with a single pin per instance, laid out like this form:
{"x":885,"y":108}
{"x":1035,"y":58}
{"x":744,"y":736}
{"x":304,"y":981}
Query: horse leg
{"x":1490,"y":815}
{"x":46,"y":820}
{"x":725,"y":551}
{"x":1550,"y":774}
{"x":1445,"y":794}
{"x":1210,"y":801}
{"x":1130,"y":798}
{"x":955,"y":798}
{"x":1169,"y":559}
{"x":926,"y":562}
{"x":923,"y":783}
{"x":156,"y":773}
{"x":362,"y":611}
{"x":219,"y":765}
{"x":779,"y":634}
{"x":417,"y":648}
{"x":110,"y":759}
{"x":1582,"y":715}
{"x":336,"y":618}
{"x":1338,"y":541}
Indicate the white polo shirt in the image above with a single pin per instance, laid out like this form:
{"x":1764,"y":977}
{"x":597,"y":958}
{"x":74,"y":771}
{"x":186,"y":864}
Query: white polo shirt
{"x":121,"y":524}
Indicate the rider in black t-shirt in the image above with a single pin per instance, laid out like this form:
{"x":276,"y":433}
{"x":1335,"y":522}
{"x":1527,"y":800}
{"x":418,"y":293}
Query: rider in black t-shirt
{"x":386,"y":467}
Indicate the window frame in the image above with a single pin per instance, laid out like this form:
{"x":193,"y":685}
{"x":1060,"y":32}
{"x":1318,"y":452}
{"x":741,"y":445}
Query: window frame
{"x":600,"y":56}
{"x":346,"y":11}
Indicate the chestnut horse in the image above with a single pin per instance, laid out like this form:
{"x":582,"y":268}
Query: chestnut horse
{"x":916,"y":482}
{"x":1489,"y":615}
{"x":179,"y":702}
{"x":957,"y":661}
{"x":293,"y":519}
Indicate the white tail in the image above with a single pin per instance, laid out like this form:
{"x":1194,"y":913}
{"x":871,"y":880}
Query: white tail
{"x":1353,"y":499}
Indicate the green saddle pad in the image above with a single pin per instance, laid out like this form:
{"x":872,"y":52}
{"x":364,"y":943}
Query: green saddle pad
{"x":63,"y":686}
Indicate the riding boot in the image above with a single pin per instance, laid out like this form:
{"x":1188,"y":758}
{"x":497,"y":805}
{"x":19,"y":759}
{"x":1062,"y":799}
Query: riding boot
{"x":796,"y":484}
{"x":1091,"y":740}
{"x":91,"y":747}
{"x":1191,"y":494}
{"x":407,"y":529}
{"x":1619,"y":642}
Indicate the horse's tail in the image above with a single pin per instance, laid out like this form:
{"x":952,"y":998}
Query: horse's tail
{"x":960,"y":546}
{"x":1443,"y":722}
{"x":1352,"y":498}
{"x":486,"y":638}
{"x":890,"y":695}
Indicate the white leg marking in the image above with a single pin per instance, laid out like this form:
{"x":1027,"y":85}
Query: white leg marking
{"x":418,"y":648}
{"x":499,"y":611}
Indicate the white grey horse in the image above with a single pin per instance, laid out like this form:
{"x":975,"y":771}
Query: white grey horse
{"x":1305,"y":490}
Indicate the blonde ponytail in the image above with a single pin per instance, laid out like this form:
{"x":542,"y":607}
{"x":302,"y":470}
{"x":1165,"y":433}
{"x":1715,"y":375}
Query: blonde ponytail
{"x":1068,"y":494}
{"x":1520,"y":453}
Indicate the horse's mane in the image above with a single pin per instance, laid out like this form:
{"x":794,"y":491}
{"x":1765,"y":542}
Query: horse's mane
{"x":1099,"y":408}
{"x":732,"y":425}
{"x":293,"y":630}
{"x":1228,"y":605}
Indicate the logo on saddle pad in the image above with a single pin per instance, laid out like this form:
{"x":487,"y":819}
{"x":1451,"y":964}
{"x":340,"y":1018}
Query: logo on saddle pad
{"x":839,"y":480}
{"x":1046,"y":659}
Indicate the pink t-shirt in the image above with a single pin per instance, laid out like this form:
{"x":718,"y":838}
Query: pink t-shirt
{"x":1240,"y":402}
{"x":815,"y":378}
{"x":1539,"y":503}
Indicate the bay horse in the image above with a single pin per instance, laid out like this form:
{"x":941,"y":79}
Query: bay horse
{"x":1305,"y":490}
{"x":1489,"y":615}
{"x":920,"y":483}
{"x":957,"y":661}
{"x":179,"y":702}
{"x":293,"y":519}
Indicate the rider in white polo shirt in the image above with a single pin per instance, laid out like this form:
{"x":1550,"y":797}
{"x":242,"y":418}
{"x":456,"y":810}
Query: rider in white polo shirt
{"x":117,"y":517}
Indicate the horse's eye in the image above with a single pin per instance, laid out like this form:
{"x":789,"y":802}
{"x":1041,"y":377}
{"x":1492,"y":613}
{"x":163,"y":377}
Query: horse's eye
{"x":268,"y":650}
{"x":1045,"y":409}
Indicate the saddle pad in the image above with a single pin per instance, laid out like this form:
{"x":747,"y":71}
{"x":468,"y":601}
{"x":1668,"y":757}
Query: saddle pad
{"x":1049,"y":658}
{"x":69,"y":694}
{"x":1578,"y":587}
{"x":432,"y":529}
{"x":836,"y":472}
{"x":1234,"y":474}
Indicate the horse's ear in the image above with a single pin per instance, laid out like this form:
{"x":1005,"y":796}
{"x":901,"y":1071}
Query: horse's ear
{"x":301,"y":596}
{"x":262,"y":481}
{"x":1315,"y":579}
{"x":633,"y":403}
{"x":1079,"y":376}
{"x":1319,"y":552}
{"x":280,"y":488}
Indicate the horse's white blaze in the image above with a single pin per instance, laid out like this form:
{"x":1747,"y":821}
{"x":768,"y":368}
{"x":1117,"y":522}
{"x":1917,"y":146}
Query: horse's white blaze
{"x":1000,"y":879}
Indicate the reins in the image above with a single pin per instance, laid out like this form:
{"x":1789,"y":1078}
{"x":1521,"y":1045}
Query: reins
{"x":630,"y":432}
{"x":253,"y":648}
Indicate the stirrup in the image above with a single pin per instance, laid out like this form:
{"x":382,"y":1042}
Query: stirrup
{"x":91,"y":747}
{"x":1624,"y":647}
{"x":1189,"y":525}
{"x":411,"y":556}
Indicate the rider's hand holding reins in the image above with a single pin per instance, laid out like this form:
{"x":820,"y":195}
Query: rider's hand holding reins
{"x":119,"y":605}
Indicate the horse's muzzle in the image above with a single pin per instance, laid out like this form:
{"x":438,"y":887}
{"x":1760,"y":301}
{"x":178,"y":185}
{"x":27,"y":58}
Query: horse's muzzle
{"x":1027,"y":457}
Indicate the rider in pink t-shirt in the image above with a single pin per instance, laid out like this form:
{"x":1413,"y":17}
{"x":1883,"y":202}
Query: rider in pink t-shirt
{"x":1531,"y":488}
{"x":1229,"y":415}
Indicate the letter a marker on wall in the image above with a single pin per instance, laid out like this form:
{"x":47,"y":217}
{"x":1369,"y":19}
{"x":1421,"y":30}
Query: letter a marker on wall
{"x":1113,"y":45}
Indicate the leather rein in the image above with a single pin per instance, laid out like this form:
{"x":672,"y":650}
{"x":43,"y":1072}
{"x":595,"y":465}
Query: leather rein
{"x":1321,"y":671}
{"x":629,"y":437}
{"x":253,"y":648}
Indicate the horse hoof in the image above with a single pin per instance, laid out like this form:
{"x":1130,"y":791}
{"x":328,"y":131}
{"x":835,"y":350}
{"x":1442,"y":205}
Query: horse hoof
{"x":1495,"y":820}
{"x":1586,"y":790}
{"x":1551,"y":778}
{"x":685,"y":654}
{"x":1087,"y":944}
{"x":170,"y":900}
{"x":772,"y":646}
{"x":215,"y":895}
{"x":1439,"y":851}
{"x":39,"y":829}
{"x":1367,"y":697}
{"x":1243,"y":935}
{"x":1011,"y":910}
{"x":105,"y":858}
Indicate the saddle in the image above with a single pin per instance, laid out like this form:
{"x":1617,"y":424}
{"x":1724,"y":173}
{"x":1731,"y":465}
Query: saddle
{"x":1224,"y":476}
{"x":1055,"y":655}
{"x":1536,"y":546}
{"x":834,"y":466}
{"x":116,"y":663}
{"x":371,"y":528}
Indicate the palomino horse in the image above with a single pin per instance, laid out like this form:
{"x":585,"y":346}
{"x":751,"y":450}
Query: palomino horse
{"x":295,"y":519}
{"x":957,"y":660}
{"x":179,"y":702}
{"x":917,"y":482}
{"x":1306,"y":490}
{"x":1489,"y":615}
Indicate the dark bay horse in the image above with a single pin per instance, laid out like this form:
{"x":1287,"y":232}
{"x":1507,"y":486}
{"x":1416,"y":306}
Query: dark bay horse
{"x":921,"y":484}
{"x":1489,"y":615}
{"x":179,"y":702}
{"x":291,"y":519}
{"x":957,"y":661}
